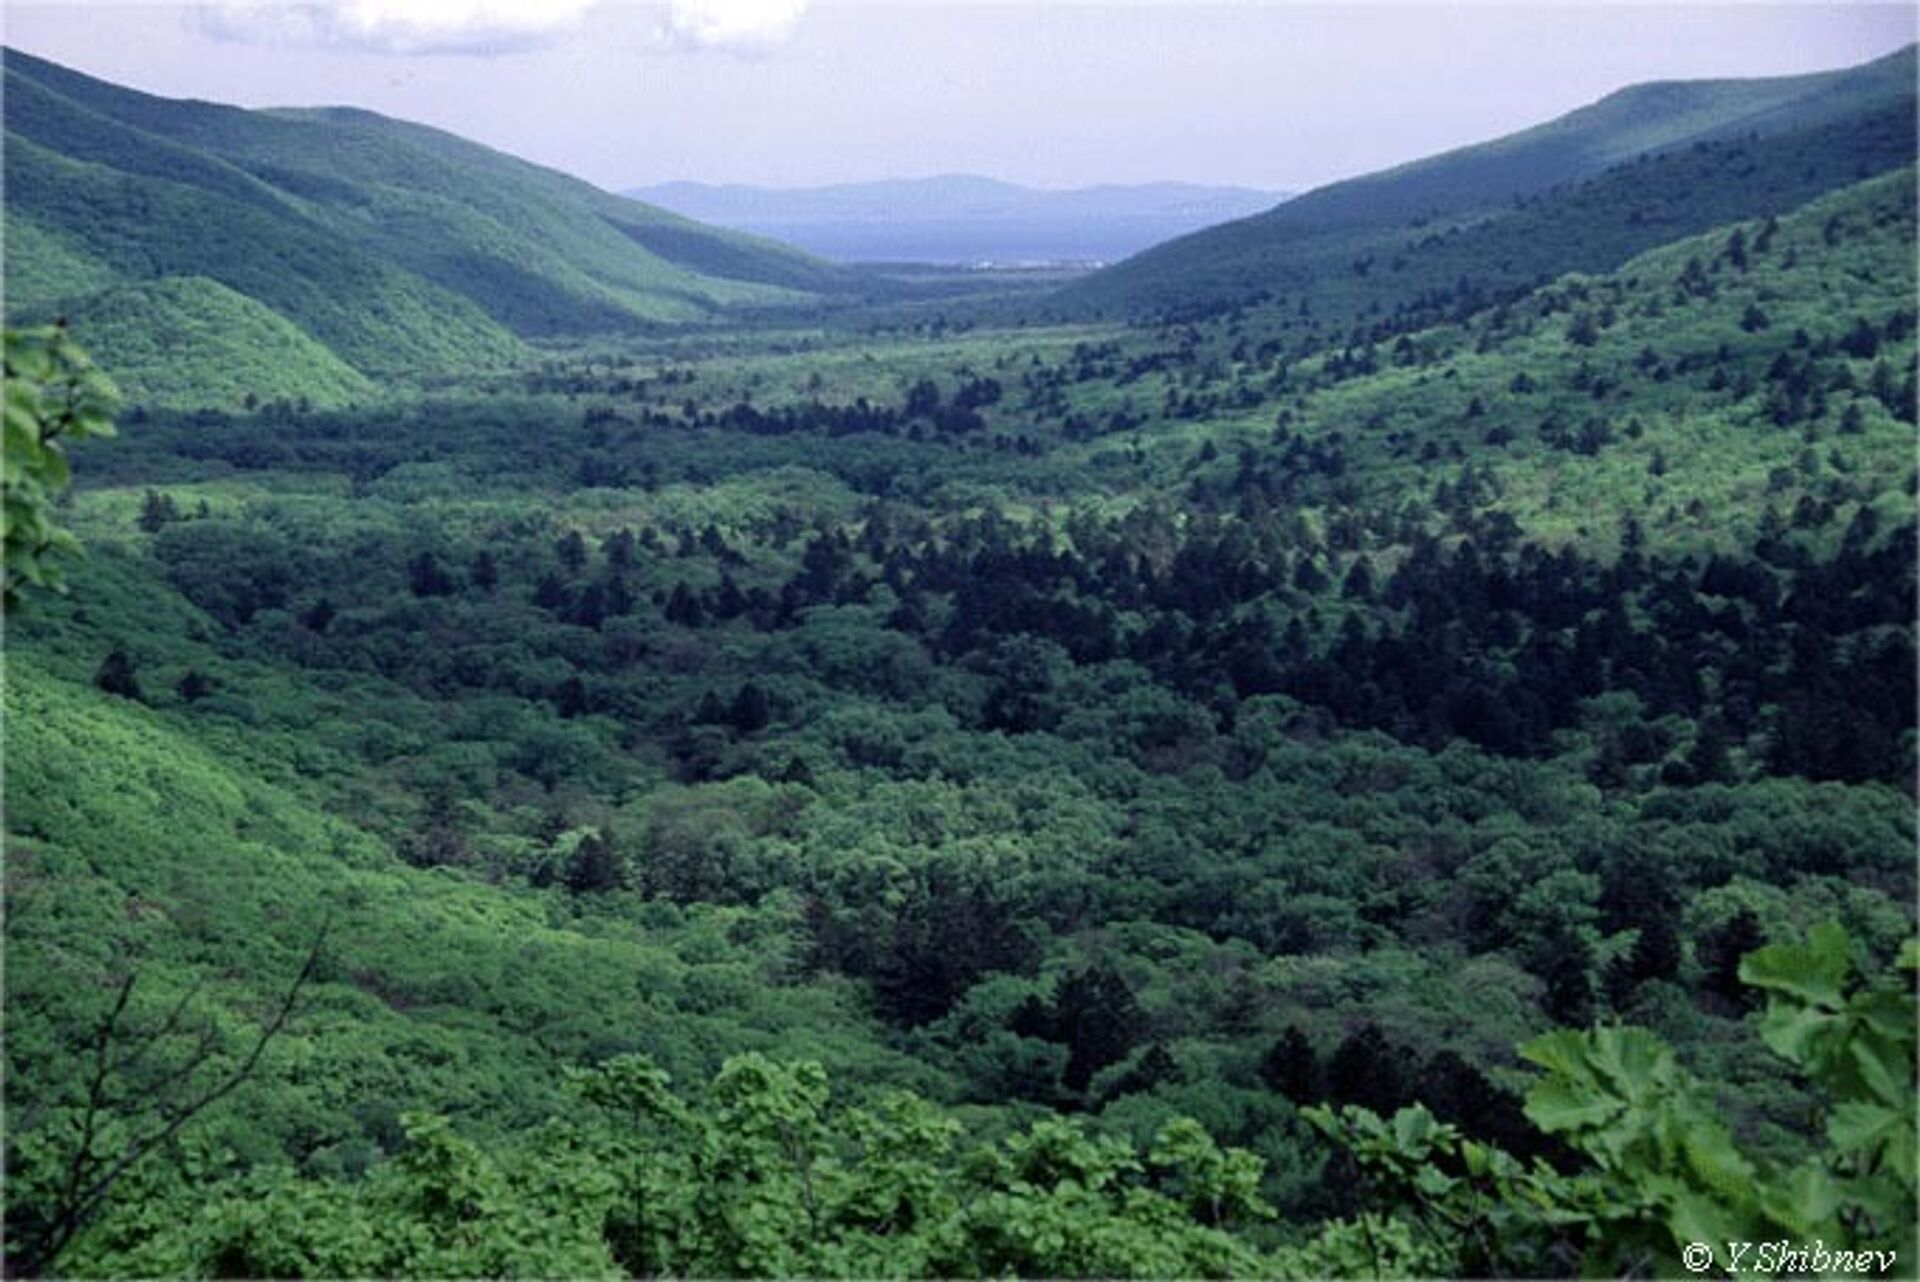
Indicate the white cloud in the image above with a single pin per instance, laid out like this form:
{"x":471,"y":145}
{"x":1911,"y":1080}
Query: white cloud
{"x":488,"y":26}
{"x":395,"y":26}
{"x":738,"y":26}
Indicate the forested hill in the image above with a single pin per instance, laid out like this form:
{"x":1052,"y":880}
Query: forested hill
{"x":306,"y":250}
{"x":1348,"y":245}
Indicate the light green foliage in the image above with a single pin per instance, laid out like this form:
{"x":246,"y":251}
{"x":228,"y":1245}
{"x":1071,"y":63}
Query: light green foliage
{"x":54,"y":396}
{"x":443,"y":1208}
{"x":133,"y":848}
{"x":762,"y":1176}
{"x":1856,"y":1041}
{"x":1663,"y":1170}
{"x":193,"y":341}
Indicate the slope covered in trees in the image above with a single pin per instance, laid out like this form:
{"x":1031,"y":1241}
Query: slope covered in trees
{"x":1634,"y":170}
{"x":396,"y":247}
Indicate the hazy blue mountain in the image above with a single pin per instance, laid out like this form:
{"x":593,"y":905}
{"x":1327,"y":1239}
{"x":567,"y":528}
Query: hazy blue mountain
{"x":963,"y":218}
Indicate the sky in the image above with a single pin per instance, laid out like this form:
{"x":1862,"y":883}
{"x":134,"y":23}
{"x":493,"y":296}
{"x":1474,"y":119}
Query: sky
{"x":1062,"y":93}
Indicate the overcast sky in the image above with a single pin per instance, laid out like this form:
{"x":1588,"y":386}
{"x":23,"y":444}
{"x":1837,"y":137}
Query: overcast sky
{"x":788,"y":92}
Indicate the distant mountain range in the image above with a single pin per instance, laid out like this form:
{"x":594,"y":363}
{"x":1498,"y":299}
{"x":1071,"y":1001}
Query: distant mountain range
{"x":1586,"y":191}
{"x":963,"y":218}
{"x":313,"y":253}
{"x":312,"y":250}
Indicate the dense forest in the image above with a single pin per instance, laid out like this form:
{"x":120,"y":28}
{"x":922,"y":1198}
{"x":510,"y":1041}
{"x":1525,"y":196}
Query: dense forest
{"x":1407,"y":773}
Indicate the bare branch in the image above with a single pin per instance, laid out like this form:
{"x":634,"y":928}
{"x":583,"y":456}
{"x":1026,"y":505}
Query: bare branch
{"x":78,"y":1204}
{"x":166,"y":1029}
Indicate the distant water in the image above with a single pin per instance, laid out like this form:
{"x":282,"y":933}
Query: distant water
{"x":1001,"y":242}
{"x":964,"y":220}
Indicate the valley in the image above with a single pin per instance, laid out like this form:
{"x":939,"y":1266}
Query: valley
{"x":803,"y":771}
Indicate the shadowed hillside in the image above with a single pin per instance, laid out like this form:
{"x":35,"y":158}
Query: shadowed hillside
{"x":1501,"y":198}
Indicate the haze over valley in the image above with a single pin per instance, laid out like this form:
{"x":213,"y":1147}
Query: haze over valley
{"x":964,"y":219}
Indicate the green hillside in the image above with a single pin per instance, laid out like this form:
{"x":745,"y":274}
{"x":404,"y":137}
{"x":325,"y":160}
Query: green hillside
{"x":121,"y":814}
{"x":1650,"y":162}
{"x":398,"y":248}
{"x":241,"y":351}
{"x":134,"y":228}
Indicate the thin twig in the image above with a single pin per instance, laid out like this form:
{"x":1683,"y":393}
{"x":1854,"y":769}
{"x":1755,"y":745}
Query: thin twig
{"x":78,"y":1205}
